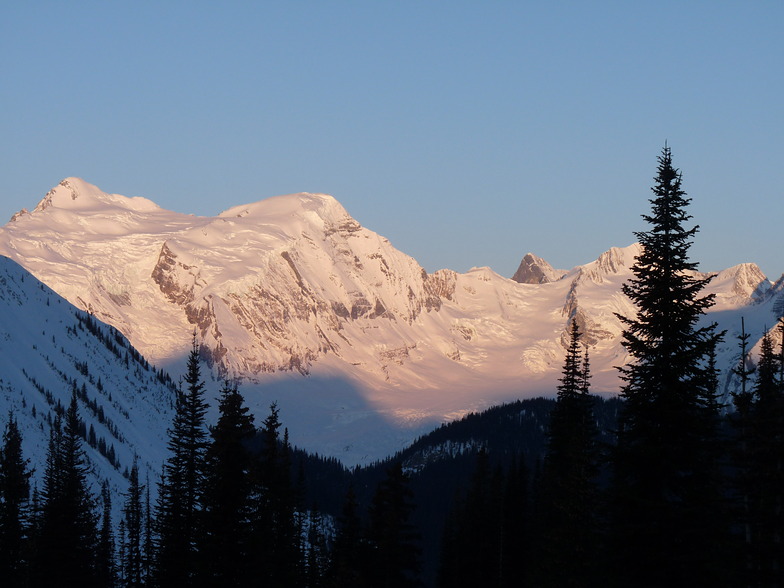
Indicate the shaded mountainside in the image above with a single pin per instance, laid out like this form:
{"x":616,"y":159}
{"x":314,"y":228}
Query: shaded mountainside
{"x":48,"y":349}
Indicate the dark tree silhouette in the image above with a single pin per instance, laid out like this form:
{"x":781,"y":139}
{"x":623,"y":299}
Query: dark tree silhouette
{"x":667,"y":505}
{"x":228,"y":497}
{"x":274,"y":533}
{"x":348,"y":562}
{"x":568,"y":504}
{"x":180,"y":493}
{"x":133,"y":560}
{"x":760,"y":420}
{"x":106,"y":568}
{"x":14,"y":505}
{"x":394,"y":555}
{"x":66,"y":542}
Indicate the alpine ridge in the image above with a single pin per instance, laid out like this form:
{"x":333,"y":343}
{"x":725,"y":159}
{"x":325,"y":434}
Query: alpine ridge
{"x":353,"y":338}
{"x":50,"y":349}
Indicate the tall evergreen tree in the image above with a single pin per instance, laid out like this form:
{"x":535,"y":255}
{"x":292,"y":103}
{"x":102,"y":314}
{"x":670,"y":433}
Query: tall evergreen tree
{"x":106,"y":568}
{"x":14,"y":504}
{"x":180,"y":493}
{"x":133,"y":560}
{"x":66,"y":542}
{"x":274,"y":532}
{"x":665,"y":460}
{"x":741,"y":454}
{"x":568,"y":502}
{"x":761,"y":473}
{"x":228,"y":493}
{"x":121,"y":544}
{"x":316,"y":550}
{"x":148,"y":545}
{"x":348,"y":558}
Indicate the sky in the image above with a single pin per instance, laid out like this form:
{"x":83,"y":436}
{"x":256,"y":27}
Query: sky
{"x":467,"y":133}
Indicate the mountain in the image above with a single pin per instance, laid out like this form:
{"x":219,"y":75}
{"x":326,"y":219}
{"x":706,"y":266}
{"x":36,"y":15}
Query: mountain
{"x":535,"y":270}
{"x":48,"y":348}
{"x":360,"y":347}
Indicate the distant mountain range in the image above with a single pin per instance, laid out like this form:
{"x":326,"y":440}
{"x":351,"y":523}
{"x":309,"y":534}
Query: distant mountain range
{"x":362,"y":349}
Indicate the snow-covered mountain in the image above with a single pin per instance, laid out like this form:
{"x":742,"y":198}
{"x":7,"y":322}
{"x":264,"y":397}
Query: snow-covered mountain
{"x":48,"y":348}
{"x":361,"y":348}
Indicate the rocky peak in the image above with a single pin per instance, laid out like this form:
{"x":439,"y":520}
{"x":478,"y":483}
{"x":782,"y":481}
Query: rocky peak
{"x":535,"y":270}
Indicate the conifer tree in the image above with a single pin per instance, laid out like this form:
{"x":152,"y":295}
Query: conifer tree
{"x":741,"y":454}
{"x":274,"y":534}
{"x":665,"y":460}
{"x":148,"y":546}
{"x":316,"y":558}
{"x":121,"y":543}
{"x":761,"y":472}
{"x":348,"y":558}
{"x":66,"y":542}
{"x":228,"y":493}
{"x":14,"y":504}
{"x":394,"y":554}
{"x":743,"y":398}
{"x":568,"y":493}
{"x":106,"y":568}
{"x":133,"y":560}
{"x":180,"y":494}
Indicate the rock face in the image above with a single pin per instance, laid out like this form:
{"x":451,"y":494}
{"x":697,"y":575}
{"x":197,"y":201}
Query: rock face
{"x":535,"y":270}
{"x":293,"y":286}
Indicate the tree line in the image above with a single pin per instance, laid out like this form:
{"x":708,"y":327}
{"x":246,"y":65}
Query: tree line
{"x":229,"y":511}
{"x":687,"y":492}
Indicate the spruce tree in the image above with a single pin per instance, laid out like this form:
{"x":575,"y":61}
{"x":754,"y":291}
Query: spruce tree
{"x":228,"y":493}
{"x":761,"y":475}
{"x":665,"y":466}
{"x":148,"y":545}
{"x":274,"y":535}
{"x":743,"y":401}
{"x":133,"y":560}
{"x":14,"y":505}
{"x":66,"y":541}
{"x":106,"y":568}
{"x":180,"y":492}
{"x":568,"y":502}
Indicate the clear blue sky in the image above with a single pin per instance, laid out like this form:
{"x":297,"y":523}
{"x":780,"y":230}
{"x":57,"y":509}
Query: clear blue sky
{"x":468,"y":133}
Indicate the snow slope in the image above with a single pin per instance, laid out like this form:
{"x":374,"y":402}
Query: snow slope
{"x":361,"y":348}
{"x":48,"y":347}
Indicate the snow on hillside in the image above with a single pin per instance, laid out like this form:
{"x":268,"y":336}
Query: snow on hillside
{"x":362,"y":349}
{"x":48,"y":348}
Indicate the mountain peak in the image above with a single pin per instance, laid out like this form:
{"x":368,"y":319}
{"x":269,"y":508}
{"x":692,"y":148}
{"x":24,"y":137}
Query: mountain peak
{"x":535,"y":270}
{"x":301,"y":205}
{"x":744,"y":283}
{"x":78,"y":195}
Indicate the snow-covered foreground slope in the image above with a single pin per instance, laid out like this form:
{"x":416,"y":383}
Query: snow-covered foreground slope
{"x":361,"y":348}
{"x":48,"y":348}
